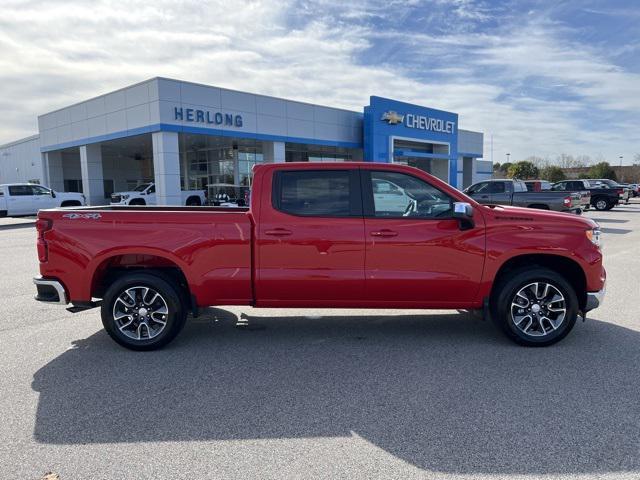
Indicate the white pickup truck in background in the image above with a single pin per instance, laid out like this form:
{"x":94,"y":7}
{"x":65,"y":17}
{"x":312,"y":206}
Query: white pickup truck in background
{"x":27,"y":198}
{"x":145,"y":194}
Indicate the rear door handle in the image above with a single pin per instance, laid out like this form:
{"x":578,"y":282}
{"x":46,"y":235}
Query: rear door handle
{"x":384,"y":233}
{"x":278,"y":232}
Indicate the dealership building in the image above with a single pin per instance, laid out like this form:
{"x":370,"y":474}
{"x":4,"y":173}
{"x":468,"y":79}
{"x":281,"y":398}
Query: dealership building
{"x":187,"y":136}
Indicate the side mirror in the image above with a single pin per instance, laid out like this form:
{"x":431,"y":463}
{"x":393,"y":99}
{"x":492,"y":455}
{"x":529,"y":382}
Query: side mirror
{"x":463,"y":212}
{"x":53,"y":194}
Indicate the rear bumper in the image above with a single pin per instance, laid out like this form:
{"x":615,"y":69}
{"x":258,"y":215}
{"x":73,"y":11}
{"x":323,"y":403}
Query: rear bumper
{"x":50,"y":291}
{"x":595,"y":299}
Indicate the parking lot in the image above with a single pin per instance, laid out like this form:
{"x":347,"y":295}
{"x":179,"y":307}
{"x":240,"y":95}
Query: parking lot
{"x":246,"y":393}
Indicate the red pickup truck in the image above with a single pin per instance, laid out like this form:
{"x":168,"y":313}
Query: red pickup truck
{"x":358,"y":235}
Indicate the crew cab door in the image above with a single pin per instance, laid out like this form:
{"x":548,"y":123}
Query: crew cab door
{"x":310,"y":239}
{"x":480,"y":192}
{"x":501,"y":192}
{"x":20,"y":200}
{"x":416,"y":254}
{"x":43,"y":197}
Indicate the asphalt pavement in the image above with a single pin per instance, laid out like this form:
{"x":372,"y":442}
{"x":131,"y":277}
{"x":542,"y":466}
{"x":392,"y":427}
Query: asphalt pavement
{"x":320,"y":393}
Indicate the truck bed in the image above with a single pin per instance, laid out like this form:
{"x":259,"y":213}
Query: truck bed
{"x":212,"y":245}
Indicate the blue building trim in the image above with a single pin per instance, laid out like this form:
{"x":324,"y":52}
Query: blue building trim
{"x":167,"y":127}
{"x":412,"y":153}
{"x":469,"y":154}
{"x":386,"y":119}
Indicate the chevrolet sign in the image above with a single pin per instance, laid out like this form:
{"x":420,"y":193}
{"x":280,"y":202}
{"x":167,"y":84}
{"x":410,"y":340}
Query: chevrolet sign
{"x":420,"y":122}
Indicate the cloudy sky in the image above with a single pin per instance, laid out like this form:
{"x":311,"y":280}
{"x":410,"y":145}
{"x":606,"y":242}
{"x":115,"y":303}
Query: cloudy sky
{"x":540,"y":77}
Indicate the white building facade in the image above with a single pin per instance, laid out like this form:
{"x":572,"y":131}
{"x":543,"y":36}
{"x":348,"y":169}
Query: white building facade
{"x":187,"y":136}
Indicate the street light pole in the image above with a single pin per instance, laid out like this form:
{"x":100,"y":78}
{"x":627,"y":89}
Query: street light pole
{"x":620,"y":157}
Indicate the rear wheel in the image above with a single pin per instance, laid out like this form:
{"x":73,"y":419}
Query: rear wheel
{"x":142,"y":311}
{"x":535,"y":307}
{"x":601,"y":204}
{"x":193,"y":202}
{"x":71,"y":203}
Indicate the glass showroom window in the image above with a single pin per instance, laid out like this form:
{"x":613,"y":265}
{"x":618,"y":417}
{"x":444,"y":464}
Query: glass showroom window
{"x":301,"y":152}
{"x":222,"y":166}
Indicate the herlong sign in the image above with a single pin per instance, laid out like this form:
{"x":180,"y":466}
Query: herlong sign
{"x":207,"y":117}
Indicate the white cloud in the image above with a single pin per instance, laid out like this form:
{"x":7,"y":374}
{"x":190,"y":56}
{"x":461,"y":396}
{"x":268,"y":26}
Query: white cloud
{"x":53,"y":54}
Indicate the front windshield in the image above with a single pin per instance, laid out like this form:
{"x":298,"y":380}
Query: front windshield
{"x":141,"y":188}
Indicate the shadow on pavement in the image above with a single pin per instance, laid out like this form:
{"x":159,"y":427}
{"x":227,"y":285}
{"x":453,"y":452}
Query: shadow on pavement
{"x":444,"y":392}
{"x":14,"y":226}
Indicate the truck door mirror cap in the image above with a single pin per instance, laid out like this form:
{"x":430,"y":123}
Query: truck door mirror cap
{"x":463,"y":212}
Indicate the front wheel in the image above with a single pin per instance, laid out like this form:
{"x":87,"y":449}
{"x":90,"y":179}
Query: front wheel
{"x":535,"y":307}
{"x":142,"y":311}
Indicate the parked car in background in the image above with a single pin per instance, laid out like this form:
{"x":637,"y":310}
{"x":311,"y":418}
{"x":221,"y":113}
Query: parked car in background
{"x":602,"y":197}
{"x":316,"y":235}
{"x":543,"y":185}
{"x":537,"y":185}
{"x":624,"y":192}
{"x":634,"y":189}
{"x":27,"y":198}
{"x":514,"y":192}
{"x":145,"y":194}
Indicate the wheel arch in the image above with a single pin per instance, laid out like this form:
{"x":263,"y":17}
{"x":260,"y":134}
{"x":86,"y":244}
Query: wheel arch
{"x":562,"y":265}
{"x":71,"y":203}
{"x":195,"y":198}
{"x":539,"y":206}
{"x":109,"y":269}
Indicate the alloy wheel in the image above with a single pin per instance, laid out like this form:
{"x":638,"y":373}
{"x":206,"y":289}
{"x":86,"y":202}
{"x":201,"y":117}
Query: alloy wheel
{"x":140,"y":313}
{"x":538,"y":309}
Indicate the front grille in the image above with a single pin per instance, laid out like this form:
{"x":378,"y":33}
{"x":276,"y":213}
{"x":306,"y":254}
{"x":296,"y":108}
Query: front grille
{"x":116,"y":198}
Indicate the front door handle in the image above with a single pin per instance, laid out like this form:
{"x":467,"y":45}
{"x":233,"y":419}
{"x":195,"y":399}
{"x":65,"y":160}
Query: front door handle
{"x":484,"y":196}
{"x":278,"y":232}
{"x":384,"y":233}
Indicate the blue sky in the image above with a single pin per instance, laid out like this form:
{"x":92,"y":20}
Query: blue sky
{"x":539,"y":77}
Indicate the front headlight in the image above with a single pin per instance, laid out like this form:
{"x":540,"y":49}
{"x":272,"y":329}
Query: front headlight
{"x":595,"y":235}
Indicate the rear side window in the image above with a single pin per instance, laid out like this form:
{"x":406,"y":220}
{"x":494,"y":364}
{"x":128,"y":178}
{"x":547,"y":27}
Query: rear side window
{"x":320,"y":193}
{"x":20,"y":190}
{"x":497,"y":187}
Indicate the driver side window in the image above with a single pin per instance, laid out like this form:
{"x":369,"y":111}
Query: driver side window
{"x":397,"y":195}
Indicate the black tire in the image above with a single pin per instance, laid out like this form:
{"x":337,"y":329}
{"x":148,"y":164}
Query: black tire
{"x":539,"y":206}
{"x":601,"y":204}
{"x":71,"y":203}
{"x":505,"y":295}
{"x":137,"y":201}
{"x":173,"y":302}
{"x":193,"y":202}
{"x":3,"y":213}
{"x":610,"y":206}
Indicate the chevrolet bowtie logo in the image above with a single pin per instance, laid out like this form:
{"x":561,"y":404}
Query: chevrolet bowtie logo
{"x":392,"y":118}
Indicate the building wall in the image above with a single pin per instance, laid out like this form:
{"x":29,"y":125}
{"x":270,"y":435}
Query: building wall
{"x":152,"y":105}
{"x":21,"y":161}
{"x":470,"y":143}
